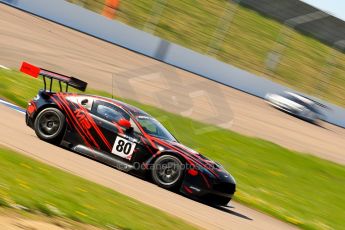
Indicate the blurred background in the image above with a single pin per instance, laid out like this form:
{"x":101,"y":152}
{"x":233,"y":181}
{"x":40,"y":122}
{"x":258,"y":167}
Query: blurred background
{"x":285,"y":167}
{"x":287,"y":41}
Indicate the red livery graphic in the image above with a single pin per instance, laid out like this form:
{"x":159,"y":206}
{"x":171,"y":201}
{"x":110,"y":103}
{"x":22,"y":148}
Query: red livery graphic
{"x":82,"y":118}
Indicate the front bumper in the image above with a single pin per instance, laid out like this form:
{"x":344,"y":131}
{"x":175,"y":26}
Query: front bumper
{"x":213,"y":191}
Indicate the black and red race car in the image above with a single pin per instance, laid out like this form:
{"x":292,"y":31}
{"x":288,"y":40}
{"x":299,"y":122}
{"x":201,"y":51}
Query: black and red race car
{"x":124,"y":137}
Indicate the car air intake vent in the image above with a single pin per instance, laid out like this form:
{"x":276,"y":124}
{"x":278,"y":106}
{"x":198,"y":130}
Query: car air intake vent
{"x":225,"y":188}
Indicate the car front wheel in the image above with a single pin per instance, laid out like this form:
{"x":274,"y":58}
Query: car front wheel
{"x":167,"y":172}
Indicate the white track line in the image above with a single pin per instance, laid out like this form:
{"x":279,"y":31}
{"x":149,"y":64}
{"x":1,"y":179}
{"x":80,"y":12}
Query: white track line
{"x":4,"y":67}
{"x":12,"y":106}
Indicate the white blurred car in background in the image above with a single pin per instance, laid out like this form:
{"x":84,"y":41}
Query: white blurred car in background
{"x":297,"y":105}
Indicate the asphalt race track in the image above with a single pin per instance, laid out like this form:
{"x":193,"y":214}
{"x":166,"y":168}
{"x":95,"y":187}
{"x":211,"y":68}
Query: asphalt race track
{"x":13,"y":128}
{"x":29,"y":38}
{"x":26,"y":37}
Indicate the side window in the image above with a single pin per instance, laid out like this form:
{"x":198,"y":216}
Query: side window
{"x":112,"y":113}
{"x":109,"y":111}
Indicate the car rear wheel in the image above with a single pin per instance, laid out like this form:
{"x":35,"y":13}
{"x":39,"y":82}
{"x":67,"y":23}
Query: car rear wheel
{"x":167,"y":172}
{"x":50,"y":125}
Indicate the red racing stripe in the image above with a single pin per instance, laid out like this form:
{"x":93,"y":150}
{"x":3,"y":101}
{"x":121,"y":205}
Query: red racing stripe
{"x":73,"y":119}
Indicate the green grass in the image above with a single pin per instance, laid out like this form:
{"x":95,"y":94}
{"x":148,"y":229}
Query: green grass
{"x":251,"y":36}
{"x":297,"y":188}
{"x":50,"y":191}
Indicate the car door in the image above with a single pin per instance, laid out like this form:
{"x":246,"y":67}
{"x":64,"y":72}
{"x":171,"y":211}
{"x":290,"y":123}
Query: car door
{"x":122,"y":143}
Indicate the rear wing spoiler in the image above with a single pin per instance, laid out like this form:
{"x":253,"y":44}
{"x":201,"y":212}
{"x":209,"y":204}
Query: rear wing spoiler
{"x":322,"y":105}
{"x":35,"y":71}
{"x":316,"y":102}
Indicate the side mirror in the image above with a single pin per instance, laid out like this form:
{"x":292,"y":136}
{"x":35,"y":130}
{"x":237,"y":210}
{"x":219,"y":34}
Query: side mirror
{"x":124,"y":123}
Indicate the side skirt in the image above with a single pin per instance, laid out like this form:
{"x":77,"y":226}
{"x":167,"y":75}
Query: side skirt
{"x":99,"y":156}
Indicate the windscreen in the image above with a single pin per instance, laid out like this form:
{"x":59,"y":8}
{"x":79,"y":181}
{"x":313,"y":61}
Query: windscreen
{"x":152,"y":127}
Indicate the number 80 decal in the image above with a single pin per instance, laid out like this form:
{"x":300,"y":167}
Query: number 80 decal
{"x":123,"y":148}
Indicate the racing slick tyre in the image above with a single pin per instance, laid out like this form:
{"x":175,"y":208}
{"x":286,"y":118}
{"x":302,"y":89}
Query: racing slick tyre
{"x":49,"y":125}
{"x":167,"y":172}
